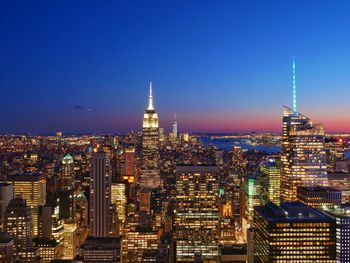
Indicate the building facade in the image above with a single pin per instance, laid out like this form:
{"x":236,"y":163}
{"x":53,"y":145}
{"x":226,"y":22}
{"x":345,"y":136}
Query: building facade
{"x":303,"y":155}
{"x":270,"y":182}
{"x":293,"y":232}
{"x":150,"y":172}
{"x":197,"y":213}
{"x":319,"y":197}
{"x":341,"y":216}
{"x":100,"y":195}
{"x":18,"y":225}
{"x":67,"y":176}
{"x":32,"y":188}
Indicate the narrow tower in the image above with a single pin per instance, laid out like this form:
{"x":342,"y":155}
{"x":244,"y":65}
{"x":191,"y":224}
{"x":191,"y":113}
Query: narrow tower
{"x":100,"y":195}
{"x":150,"y":177}
{"x":175,"y":125}
{"x":303,"y":154}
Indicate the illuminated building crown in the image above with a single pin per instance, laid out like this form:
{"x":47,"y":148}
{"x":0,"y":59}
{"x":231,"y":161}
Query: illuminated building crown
{"x":150,"y":118}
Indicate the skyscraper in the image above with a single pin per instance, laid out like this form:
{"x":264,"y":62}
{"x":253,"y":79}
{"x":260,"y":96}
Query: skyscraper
{"x":303,"y":154}
{"x":293,"y":232}
{"x":175,"y":125}
{"x":67,"y":181}
{"x":50,"y":226}
{"x":341,"y":216}
{"x":150,"y":174}
{"x":70,"y":241}
{"x":18,"y":225}
{"x":197,"y":212}
{"x":270,"y":182}
{"x":100,"y":195}
{"x":129,"y":174}
{"x":118,"y":198}
{"x":32,"y":188}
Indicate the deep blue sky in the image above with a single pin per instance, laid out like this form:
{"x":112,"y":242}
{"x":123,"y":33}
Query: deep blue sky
{"x":222,"y":65}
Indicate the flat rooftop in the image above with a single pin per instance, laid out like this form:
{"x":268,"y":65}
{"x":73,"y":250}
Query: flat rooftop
{"x":101,"y":243}
{"x":26,"y":177}
{"x":318,"y":189}
{"x":292,"y":212}
{"x":197,"y":168}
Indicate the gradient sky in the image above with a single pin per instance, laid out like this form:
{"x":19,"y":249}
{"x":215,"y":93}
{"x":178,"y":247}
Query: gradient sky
{"x":223,"y":66}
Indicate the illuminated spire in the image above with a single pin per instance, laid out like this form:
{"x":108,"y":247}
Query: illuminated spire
{"x":150,"y":99}
{"x":294,"y":90}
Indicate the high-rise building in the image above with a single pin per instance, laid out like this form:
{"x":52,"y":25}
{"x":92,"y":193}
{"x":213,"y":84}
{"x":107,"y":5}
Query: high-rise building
{"x":303,"y":154}
{"x":150,"y":173}
{"x":341,"y":215}
{"x":139,"y":241}
{"x":239,"y":163}
{"x":19,"y":226}
{"x":227,"y":223}
{"x":175,"y":125}
{"x":70,"y":241}
{"x":50,"y":226}
{"x":197,"y":212}
{"x":145,"y":201}
{"x":32,"y":188}
{"x":173,"y":135}
{"x":100,"y":195}
{"x":270,"y":182}
{"x":6,"y":195}
{"x":250,"y":198}
{"x":49,"y":249}
{"x":293,"y":232}
{"x":82,"y":210}
{"x":129,"y":165}
{"x":335,"y":150}
{"x":66,"y":203}
{"x":118,"y":198}
{"x":319,"y":197}
{"x":67,"y":178}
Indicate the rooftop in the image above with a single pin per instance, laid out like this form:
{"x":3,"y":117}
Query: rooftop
{"x":338,"y":211}
{"x":318,"y":189}
{"x":101,"y":243}
{"x":26,"y":177}
{"x":291,"y":212}
{"x":197,"y":168}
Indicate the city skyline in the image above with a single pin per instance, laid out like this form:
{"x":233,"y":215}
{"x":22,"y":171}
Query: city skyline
{"x":227,"y":68}
{"x":174,"y":131}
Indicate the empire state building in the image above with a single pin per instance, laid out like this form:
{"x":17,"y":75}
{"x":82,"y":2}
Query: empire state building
{"x":150,"y":177}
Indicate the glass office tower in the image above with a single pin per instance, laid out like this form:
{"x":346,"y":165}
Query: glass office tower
{"x":293,"y":232}
{"x":197,"y":212}
{"x":303,"y":155}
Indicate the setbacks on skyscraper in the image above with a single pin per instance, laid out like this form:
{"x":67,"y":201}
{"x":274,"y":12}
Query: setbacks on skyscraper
{"x":303,"y":153}
{"x":150,"y":171}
